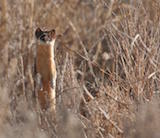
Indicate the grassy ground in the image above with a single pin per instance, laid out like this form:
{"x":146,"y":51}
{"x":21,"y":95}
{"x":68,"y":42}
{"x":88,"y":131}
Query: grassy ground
{"x":108,"y":62}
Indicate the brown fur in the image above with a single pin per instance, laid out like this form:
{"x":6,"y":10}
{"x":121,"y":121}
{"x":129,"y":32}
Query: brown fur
{"x":46,"y":68}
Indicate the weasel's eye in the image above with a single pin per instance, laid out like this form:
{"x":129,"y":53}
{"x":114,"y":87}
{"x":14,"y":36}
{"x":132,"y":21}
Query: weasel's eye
{"x":43,"y":37}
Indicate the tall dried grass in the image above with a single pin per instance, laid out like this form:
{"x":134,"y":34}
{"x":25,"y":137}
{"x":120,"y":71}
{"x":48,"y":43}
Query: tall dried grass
{"x":107,"y":62}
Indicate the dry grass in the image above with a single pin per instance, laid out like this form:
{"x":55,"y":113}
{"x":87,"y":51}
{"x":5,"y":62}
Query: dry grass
{"x":146,"y":121}
{"x":108,"y":61}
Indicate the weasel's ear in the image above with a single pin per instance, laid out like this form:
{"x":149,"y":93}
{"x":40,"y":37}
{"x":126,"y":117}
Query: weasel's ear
{"x":38,"y":33}
{"x":52,"y":34}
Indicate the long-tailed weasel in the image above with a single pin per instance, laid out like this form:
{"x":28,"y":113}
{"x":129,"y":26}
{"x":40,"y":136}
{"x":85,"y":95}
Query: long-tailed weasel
{"x":46,"y":68}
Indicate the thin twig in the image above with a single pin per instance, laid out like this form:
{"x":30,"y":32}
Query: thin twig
{"x":112,"y":122}
{"x":88,"y":93}
{"x":22,"y":74}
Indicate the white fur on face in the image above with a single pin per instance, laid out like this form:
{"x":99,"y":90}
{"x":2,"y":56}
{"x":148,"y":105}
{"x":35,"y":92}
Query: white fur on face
{"x":51,"y":42}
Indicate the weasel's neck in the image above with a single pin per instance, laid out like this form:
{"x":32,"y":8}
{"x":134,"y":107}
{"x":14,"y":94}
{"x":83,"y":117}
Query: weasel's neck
{"x":49,"y":47}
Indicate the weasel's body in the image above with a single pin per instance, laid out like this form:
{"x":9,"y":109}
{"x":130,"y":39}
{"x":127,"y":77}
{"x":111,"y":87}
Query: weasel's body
{"x":45,"y":67}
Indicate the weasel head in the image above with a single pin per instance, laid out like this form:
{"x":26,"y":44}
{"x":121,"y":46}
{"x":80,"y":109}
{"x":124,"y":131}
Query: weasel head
{"x":47,"y":37}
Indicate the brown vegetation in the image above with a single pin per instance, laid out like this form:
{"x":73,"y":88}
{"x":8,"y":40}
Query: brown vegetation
{"x":108,"y":62}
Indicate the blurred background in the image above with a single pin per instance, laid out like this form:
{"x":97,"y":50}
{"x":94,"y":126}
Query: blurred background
{"x":108,"y":62}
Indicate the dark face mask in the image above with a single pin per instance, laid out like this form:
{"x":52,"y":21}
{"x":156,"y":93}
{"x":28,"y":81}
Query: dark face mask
{"x":45,"y":36}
